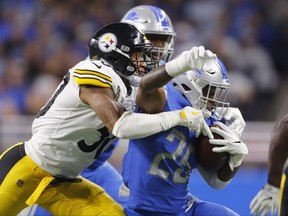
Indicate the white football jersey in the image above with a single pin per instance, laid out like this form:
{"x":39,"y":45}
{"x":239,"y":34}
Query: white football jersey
{"x":67,"y":133}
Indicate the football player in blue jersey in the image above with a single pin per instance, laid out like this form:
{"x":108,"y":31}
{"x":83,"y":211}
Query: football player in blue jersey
{"x":158,"y":28}
{"x":156,"y":169}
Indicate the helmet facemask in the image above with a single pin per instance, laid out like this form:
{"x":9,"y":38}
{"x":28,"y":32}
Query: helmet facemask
{"x":143,"y":54}
{"x":213,"y":96}
{"x":163,"y":46}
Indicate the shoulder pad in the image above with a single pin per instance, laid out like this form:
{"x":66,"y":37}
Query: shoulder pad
{"x":92,"y":73}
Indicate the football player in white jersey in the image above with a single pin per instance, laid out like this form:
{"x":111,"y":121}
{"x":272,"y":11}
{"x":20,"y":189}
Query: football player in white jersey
{"x":81,"y":120}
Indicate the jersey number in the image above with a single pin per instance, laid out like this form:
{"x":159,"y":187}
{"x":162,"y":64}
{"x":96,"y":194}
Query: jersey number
{"x":104,"y":140}
{"x":105,"y":135}
{"x":179,"y":176}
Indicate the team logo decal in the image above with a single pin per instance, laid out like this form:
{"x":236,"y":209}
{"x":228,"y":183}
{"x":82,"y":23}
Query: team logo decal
{"x":107,"y":42}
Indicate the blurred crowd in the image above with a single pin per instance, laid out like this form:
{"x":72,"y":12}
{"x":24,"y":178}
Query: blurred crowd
{"x":41,"y":39}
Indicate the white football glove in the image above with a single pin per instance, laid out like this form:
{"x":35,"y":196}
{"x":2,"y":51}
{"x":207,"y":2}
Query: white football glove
{"x":234,"y":119}
{"x":194,"y":120}
{"x":231,"y":144}
{"x":266,"y":200}
{"x":193,"y":59}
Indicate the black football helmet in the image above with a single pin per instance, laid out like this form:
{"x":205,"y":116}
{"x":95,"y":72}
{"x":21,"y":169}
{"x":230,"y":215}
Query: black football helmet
{"x":114,"y":43}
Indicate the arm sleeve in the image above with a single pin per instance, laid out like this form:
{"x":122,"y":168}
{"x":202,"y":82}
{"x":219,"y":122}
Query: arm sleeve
{"x":138,"y":125}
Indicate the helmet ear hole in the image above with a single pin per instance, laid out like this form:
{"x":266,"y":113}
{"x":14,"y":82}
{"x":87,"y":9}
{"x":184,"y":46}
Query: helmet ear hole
{"x":187,"y":88}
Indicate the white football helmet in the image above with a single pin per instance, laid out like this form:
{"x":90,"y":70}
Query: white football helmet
{"x":156,"y":24}
{"x":206,"y":89}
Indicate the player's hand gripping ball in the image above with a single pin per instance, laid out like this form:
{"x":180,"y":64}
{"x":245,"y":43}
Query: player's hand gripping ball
{"x":206,"y":158}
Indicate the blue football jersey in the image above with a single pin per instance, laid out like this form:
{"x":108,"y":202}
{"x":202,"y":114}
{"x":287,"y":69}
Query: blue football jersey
{"x":156,"y":169}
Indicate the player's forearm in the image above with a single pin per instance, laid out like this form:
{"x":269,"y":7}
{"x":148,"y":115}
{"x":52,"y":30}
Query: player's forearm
{"x":274,"y":175}
{"x":139,"y":125}
{"x":155,"y":79}
{"x":276,"y":161}
{"x":225,"y":173}
{"x":220,"y":179}
{"x":212,"y":179}
{"x":278,"y":152}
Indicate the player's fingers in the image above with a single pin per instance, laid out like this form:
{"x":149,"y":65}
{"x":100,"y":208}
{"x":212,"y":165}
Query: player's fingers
{"x":222,"y":126}
{"x":256,"y":209}
{"x":195,"y":52}
{"x":265,"y":212}
{"x":274,"y":209}
{"x":201,"y":51}
{"x":264,"y":207}
{"x":256,"y":206}
{"x":210,"y":54}
{"x":218,"y":142}
{"x":228,"y":115}
{"x":218,"y":131}
{"x":220,"y":149}
{"x":253,"y":202}
{"x":206,"y":131}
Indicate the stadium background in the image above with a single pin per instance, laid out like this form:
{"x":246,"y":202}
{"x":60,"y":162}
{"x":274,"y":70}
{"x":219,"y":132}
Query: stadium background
{"x":40,"y":40}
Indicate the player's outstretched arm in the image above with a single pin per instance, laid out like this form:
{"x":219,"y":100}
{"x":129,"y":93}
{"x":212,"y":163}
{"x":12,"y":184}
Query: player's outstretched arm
{"x":139,"y":125}
{"x":130,"y":125}
{"x":212,"y":178}
{"x":151,"y":96}
{"x":267,"y":199}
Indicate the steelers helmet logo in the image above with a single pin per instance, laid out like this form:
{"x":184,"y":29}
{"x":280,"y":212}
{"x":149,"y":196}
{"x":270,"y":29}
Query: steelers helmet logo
{"x":107,"y":42}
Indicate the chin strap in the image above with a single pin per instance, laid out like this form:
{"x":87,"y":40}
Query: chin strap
{"x":127,"y":83}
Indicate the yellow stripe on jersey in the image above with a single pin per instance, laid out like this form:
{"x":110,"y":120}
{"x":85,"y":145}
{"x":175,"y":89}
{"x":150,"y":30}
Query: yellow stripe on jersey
{"x":91,"y":72}
{"x":91,"y":81}
{"x":89,"y":77}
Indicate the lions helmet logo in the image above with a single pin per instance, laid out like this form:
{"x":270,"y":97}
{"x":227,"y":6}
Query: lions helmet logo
{"x":107,"y":42}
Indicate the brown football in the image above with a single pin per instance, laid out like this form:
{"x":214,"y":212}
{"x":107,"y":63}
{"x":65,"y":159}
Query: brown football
{"x":209,"y":160}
